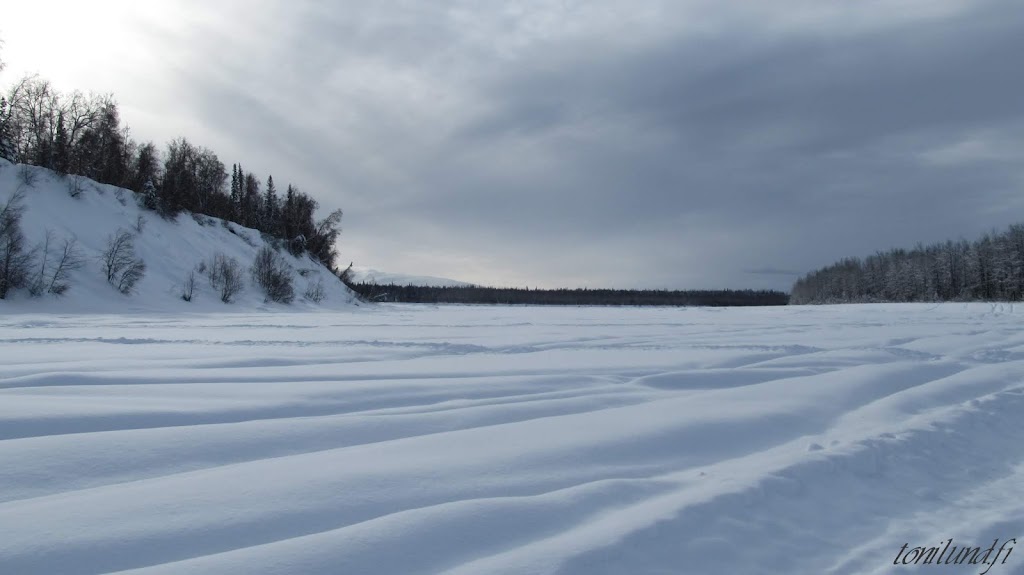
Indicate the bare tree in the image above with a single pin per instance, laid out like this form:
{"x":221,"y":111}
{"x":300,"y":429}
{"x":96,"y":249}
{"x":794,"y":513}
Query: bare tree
{"x":120,"y":252}
{"x":38,"y":285}
{"x":68,"y":260}
{"x":15,"y":259}
{"x":58,"y":131}
{"x":346,"y":276}
{"x":55,"y":266}
{"x":27,"y":177}
{"x":226,"y":277}
{"x":322,"y":242}
{"x":131,"y":275}
{"x":273,"y":274}
{"x":34,"y":108}
{"x":122,"y":268}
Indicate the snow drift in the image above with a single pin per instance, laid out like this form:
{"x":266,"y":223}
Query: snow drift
{"x":490,"y":440}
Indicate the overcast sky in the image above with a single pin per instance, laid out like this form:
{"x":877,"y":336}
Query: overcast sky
{"x":674,"y":144}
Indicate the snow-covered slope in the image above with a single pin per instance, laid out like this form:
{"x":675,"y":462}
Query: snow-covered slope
{"x":362,"y":274}
{"x":171,"y":250}
{"x":518,"y":441}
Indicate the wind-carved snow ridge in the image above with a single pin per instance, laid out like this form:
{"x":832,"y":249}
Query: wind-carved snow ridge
{"x":481,"y":440}
{"x":171,"y":250}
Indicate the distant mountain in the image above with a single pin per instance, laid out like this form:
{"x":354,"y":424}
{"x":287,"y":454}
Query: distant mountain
{"x":172,"y":250}
{"x":361,"y":274}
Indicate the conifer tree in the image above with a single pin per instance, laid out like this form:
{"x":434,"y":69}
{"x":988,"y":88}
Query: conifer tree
{"x":60,"y":148}
{"x":145,"y":169}
{"x":288,"y":214}
{"x":6,"y":131}
{"x":271,"y":209}
{"x":150,"y":197}
{"x":236,"y":193}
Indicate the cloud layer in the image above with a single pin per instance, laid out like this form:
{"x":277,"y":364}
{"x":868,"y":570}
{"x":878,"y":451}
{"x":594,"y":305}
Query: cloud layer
{"x":686,"y":144}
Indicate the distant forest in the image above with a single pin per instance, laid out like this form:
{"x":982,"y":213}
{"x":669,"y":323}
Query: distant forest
{"x":987,"y":269}
{"x":571,"y":297}
{"x":82,"y":136}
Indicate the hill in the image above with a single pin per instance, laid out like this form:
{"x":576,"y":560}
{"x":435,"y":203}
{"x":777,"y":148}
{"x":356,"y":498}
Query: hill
{"x":89,"y":215}
{"x":365,"y":275}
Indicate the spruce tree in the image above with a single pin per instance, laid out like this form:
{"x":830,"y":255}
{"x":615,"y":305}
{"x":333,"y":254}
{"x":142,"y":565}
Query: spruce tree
{"x":146,"y":167}
{"x":6,"y":135}
{"x":150,"y":197}
{"x":288,"y":226}
{"x":60,"y":154}
{"x":236,"y":193}
{"x":271,"y":209}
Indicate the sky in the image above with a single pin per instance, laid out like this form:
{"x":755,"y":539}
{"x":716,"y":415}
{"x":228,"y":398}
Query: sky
{"x":678,"y":144}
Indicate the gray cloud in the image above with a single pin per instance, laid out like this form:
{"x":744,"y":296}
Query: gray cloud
{"x":660,"y":144}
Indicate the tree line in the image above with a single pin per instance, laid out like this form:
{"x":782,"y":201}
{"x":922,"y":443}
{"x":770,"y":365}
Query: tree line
{"x":987,"y":269}
{"x":570,"y":297}
{"x":76,"y":134}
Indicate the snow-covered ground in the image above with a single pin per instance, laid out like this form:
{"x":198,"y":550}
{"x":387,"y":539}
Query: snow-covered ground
{"x":494,"y":440}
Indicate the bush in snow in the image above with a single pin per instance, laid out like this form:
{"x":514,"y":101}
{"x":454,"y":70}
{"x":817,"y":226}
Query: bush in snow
{"x":27,"y":176}
{"x":15,"y":259}
{"x":247,"y":238}
{"x":315,"y":291}
{"x":122,"y":268}
{"x":297,"y":245}
{"x":76,"y":185}
{"x":273,"y":275}
{"x":188,"y":288}
{"x":204,"y":220}
{"x":226,"y":277}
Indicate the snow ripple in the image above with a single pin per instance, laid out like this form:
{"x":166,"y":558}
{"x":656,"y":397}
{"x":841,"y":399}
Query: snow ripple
{"x":508,"y":440}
